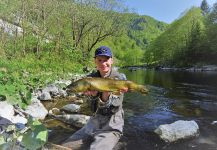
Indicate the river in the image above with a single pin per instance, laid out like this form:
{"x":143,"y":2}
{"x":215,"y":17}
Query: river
{"x":174,"y":95}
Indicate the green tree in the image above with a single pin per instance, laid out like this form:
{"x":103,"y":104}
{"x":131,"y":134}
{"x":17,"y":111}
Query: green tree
{"x":204,"y":7}
{"x":211,"y":35}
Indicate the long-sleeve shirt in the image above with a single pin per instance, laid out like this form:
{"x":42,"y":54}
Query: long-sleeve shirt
{"x":109,"y":115}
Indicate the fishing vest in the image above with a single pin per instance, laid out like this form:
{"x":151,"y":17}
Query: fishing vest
{"x":110,"y":108}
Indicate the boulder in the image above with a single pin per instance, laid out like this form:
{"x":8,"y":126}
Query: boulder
{"x":77,"y":120}
{"x":178,"y":130}
{"x":36,"y":109}
{"x":6,"y":110}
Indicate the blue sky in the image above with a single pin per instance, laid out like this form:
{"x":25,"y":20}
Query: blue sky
{"x":163,"y":10}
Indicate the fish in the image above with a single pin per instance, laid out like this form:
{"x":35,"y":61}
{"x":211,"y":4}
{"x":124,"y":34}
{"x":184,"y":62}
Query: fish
{"x":105,"y":85}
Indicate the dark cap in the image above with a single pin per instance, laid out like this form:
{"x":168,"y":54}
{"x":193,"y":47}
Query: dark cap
{"x":103,"y":51}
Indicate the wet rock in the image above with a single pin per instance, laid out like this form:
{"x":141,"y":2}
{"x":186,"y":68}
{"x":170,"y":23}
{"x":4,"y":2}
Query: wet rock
{"x":76,"y":120}
{"x":51,"y":146}
{"x":71,"y":108}
{"x":178,"y":130}
{"x":36,"y":109}
{"x":79,"y":101}
{"x":54,"y":111}
{"x":214,"y":122}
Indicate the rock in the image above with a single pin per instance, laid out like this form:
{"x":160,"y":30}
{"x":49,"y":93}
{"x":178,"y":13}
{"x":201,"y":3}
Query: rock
{"x":19,"y":119}
{"x":77,"y":120}
{"x":6,"y":110}
{"x":62,"y":93}
{"x":45,"y":96}
{"x":36,"y":109}
{"x":214,"y":122}
{"x":79,"y":101}
{"x":71,"y":108}
{"x":4,"y":123}
{"x":178,"y":130}
{"x":52,"y":89}
{"x":51,"y":146}
{"x":54,"y":111}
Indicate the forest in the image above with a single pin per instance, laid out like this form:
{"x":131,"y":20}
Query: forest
{"x":41,"y":41}
{"x":46,"y":40}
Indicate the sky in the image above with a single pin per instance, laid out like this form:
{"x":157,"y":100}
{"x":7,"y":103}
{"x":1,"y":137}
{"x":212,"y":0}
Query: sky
{"x":163,"y":10}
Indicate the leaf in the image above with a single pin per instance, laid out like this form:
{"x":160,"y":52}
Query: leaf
{"x":3,"y":144}
{"x":2,"y":140}
{"x":36,"y":137}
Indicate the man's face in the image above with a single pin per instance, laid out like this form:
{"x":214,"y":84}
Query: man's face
{"x":103,"y":63}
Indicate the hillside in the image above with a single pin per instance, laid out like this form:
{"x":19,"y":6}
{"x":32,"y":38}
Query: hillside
{"x":139,"y":32}
{"x":173,"y":44}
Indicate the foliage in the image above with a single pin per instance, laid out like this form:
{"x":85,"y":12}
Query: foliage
{"x":33,"y":136}
{"x":36,"y":136}
{"x":176,"y":44}
{"x":211,"y":35}
{"x":204,"y":7}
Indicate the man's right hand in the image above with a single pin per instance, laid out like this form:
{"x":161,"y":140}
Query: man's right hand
{"x":91,"y":93}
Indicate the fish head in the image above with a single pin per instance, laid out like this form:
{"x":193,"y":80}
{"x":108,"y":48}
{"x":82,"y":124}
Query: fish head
{"x":143,"y":90}
{"x":77,"y":86}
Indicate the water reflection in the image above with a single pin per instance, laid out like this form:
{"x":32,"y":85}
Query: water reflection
{"x":173,"y":96}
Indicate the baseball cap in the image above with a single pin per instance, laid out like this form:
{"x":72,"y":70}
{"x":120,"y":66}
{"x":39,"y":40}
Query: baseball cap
{"x":103,"y":51}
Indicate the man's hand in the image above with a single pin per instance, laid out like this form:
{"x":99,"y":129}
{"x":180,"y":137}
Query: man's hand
{"x":105,"y":95}
{"x":124,"y":90}
{"x":91,"y":93}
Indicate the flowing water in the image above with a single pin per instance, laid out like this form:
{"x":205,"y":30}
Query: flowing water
{"x":174,"y":95}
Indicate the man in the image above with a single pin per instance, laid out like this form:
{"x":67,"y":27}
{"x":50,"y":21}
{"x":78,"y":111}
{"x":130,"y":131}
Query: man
{"x":105,"y":127}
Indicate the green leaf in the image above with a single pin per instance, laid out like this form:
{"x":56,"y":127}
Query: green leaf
{"x":36,"y":137}
{"x":3,"y":144}
{"x":2,"y":140}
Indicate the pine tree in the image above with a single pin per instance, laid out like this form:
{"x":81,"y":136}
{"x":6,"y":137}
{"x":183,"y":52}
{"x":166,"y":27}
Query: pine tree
{"x":204,"y":7}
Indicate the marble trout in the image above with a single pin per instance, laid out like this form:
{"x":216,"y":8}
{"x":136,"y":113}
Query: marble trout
{"x":104,"y":85}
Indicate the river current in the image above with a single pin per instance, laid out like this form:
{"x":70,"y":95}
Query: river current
{"x":174,"y":95}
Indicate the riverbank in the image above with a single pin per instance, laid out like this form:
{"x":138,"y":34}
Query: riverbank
{"x":192,"y":69}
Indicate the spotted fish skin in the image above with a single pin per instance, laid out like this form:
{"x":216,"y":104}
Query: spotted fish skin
{"x":104,"y":85}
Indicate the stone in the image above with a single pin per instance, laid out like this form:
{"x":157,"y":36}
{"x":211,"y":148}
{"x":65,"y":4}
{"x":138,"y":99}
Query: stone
{"x":71,"y":108}
{"x":178,"y":130}
{"x":36,"y":109}
{"x":6,"y":110}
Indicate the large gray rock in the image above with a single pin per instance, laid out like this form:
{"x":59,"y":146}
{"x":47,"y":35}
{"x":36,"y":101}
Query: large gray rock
{"x":6,"y":110}
{"x":178,"y":130}
{"x":77,"y":120}
{"x":36,"y":109}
